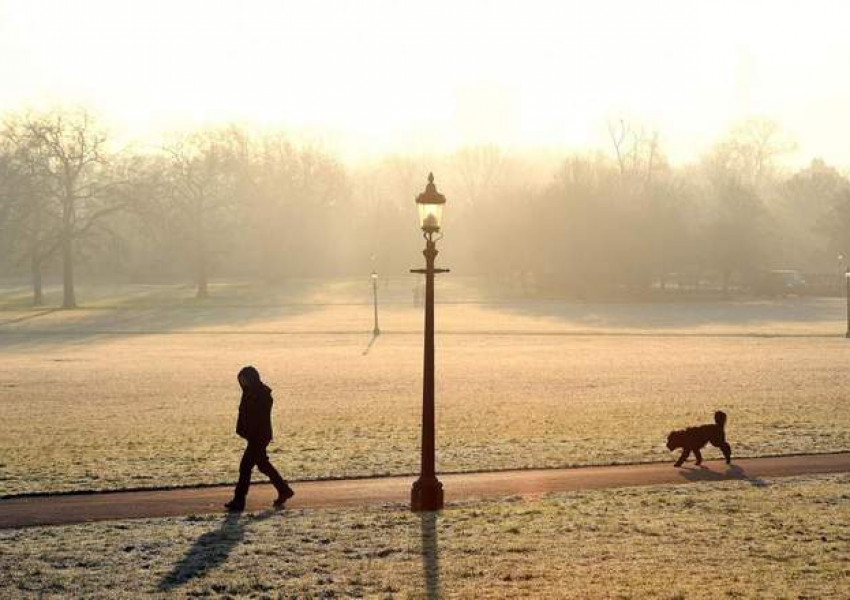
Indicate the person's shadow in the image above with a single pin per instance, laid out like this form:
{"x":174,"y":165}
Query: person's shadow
{"x":210,"y":550}
{"x":732,"y":472}
{"x":430,"y":555}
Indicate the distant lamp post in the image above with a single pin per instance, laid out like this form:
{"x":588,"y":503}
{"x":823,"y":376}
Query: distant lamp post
{"x":427,"y":493}
{"x":847,"y":294}
{"x":376,"y":330}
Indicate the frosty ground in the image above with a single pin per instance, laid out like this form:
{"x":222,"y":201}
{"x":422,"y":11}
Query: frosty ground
{"x":782,"y":538}
{"x":138,"y":388}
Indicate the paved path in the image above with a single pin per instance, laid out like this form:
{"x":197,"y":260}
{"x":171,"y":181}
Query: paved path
{"x":61,"y":510}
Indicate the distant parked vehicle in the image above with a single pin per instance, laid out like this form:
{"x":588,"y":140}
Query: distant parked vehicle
{"x":780,"y":282}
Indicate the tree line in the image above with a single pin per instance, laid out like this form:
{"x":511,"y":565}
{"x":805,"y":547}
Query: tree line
{"x":231,"y":203}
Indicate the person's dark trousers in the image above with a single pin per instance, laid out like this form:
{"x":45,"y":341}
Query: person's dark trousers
{"x":255,"y":455}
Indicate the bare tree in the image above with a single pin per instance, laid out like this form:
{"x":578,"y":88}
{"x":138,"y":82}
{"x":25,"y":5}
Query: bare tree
{"x":64,"y":155}
{"x":9,"y":185}
{"x":740,"y":172}
{"x":200,"y":185}
{"x":36,"y":224}
{"x":751,"y":149}
{"x":30,"y":223}
{"x":385,"y":191}
{"x":736,"y":225}
{"x":818,"y":201}
{"x":637,"y":151}
{"x":619,"y":132}
{"x":478,"y":169}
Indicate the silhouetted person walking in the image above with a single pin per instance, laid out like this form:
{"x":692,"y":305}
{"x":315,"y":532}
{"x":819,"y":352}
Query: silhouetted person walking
{"x":255,"y":425}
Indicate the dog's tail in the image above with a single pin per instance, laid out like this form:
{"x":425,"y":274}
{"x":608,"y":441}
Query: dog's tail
{"x":720,"y":418}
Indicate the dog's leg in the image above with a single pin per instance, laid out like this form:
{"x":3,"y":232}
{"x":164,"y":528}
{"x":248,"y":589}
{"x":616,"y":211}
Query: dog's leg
{"x":686,"y":452}
{"x":727,"y":452}
{"x":698,"y":456}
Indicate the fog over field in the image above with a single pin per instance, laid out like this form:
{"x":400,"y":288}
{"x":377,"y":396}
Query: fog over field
{"x":272,"y":144}
{"x":630,"y":219}
{"x":454,"y":239}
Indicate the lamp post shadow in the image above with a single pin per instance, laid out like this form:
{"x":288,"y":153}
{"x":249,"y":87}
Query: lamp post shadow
{"x":430,"y":554}
{"x":371,"y":343}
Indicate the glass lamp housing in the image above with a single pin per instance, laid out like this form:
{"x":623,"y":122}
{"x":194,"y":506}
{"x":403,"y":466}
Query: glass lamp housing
{"x":430,"y":216}
{"x":430,"y":204}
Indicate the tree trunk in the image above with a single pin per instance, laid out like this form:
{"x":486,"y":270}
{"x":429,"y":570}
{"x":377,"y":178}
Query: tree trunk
{"x":201,"y":265}
{"x":201,"y":279}
{"x":36,"y":257}
{"x":35,"y":270}
{"x":69,"y":299}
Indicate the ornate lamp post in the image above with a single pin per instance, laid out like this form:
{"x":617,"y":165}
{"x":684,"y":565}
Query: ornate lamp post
{"x":427,"y":493}
{"x":375,"y":330}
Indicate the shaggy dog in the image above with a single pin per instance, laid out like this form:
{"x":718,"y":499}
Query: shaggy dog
{"x":694,"y":438}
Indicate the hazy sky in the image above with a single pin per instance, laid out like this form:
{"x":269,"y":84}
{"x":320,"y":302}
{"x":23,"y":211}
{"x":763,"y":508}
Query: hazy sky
{"x":372,"y":76}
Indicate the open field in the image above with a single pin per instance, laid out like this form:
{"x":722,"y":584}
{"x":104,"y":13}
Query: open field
{"x":146,"y":395}
{"x":467,"y":305}
{"x":783,"y":538}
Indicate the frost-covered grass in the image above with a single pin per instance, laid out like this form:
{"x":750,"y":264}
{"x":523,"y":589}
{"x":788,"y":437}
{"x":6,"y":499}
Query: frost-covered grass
{"x":144,"y":410}
{"x":139,"y":388}
{"x":785,"y":538}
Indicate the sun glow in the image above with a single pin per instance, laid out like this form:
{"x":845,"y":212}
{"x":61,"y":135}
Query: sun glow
{"x":378,"y":76}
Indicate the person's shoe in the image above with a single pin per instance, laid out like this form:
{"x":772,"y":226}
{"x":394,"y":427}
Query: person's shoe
{"x":235,"y":505}
{"x":283,"y":496}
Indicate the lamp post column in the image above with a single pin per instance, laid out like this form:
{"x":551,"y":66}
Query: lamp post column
{"x":376,"y":330}
{"x":427,"y":493}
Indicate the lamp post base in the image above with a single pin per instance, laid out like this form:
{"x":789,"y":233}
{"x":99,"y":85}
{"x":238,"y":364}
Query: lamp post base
{"x":427,"y":494}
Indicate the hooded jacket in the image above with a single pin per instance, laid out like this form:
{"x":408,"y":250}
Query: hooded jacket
{"x":255,"y":414}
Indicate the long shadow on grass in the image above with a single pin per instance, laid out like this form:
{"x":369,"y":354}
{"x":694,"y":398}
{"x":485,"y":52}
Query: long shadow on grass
{"x":210,"y":550}
{"x":430,"y":555}
{"x":733,"y":472}
{"x":46,"y":331}
{"x":672,"y":314}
